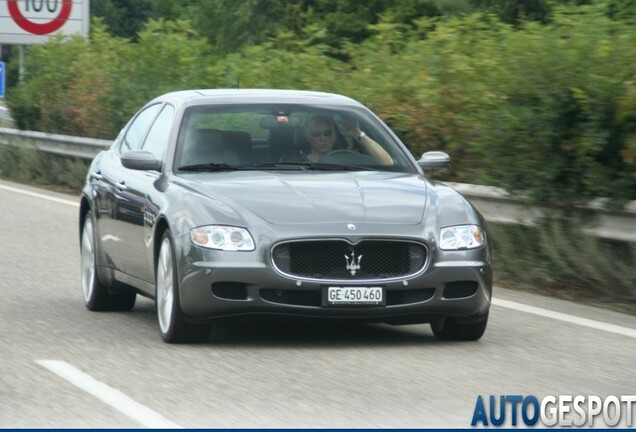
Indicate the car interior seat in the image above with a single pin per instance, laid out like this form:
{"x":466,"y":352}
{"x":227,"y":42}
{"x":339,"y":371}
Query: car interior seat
{"x":282,"y":142}
{"x":239,"y":142}
{"x":205,"y":146}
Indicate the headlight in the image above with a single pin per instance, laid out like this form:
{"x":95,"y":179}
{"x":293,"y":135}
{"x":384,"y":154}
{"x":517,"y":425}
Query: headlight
{"x":227,"y":238}
{"x":461,"y":237}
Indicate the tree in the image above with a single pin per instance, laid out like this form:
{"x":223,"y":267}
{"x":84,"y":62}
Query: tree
{"x":124,"y":18}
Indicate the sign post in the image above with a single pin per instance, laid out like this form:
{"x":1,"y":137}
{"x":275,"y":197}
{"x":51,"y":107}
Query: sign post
{"x":2,"y":79}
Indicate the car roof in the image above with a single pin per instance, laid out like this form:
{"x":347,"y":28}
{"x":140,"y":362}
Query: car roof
{"x":221,"y":96}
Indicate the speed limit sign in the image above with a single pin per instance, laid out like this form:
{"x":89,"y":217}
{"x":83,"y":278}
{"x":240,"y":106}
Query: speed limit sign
{"x":25,"y":22}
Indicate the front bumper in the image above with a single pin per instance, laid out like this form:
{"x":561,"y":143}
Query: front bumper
{"x":237,"y":285}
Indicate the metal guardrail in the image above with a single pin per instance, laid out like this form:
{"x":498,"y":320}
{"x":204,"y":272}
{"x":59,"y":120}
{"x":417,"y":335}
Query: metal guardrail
{"x":84,"y":148}
{"x":494,"y":203}
{"x":499,"y":207}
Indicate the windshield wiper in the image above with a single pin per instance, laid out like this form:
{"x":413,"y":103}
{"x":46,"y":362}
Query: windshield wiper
{"x":313,"y":166}
{"x":285,"y":165}
{"x":214,"y":166}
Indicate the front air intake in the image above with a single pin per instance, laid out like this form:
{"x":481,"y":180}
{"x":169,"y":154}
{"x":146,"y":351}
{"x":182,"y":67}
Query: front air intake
{"x":230,"y":290}
{"x":462,"y":289}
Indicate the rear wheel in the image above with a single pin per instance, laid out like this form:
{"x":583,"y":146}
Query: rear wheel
{"x":172,"y":322}
{"x":97,"y":296}
{"x":448,"y":329}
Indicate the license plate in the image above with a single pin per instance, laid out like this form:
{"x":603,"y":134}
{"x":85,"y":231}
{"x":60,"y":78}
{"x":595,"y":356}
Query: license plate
{"x":355,"y":296}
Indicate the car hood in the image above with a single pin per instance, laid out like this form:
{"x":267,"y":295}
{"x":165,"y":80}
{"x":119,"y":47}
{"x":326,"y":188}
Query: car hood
{"x":286,"y":198}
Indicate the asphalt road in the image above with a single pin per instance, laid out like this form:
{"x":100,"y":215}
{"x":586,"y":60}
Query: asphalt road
{"x":63,"y":366}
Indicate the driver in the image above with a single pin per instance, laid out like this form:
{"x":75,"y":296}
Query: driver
{"x":321,"y":132}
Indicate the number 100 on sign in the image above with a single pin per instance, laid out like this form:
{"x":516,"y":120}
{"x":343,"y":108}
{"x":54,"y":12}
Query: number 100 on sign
{"x":40,"y":5}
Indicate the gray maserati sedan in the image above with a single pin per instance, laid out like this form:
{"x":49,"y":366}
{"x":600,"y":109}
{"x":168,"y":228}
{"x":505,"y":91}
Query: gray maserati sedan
{"x":219,"y":203}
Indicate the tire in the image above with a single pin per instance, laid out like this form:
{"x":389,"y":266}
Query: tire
{"x":447,"y":329}
{"x":97,"y":296}
{"x":173,"y":325}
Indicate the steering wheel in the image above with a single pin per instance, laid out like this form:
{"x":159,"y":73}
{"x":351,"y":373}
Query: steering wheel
{"x":348,"y":157}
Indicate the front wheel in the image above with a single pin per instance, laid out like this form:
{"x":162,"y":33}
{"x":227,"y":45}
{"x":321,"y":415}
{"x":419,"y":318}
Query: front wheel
{"x":447,"y":329}
{"x":97,"y":296}
{"x":172,"y":322}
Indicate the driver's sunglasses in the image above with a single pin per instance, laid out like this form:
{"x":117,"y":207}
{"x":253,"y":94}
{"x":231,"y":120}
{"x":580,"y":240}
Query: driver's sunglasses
{"x":325,"y":132}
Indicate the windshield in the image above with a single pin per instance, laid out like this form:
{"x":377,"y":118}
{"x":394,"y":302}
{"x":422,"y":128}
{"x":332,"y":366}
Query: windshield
{"x":286,"y":137}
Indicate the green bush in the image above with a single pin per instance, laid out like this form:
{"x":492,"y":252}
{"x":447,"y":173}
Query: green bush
{"x":548,"y":110}
{"x":91,"y":88}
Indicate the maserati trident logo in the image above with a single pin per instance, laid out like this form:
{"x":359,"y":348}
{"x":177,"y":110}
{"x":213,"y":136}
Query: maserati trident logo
{"x":352,"y":264}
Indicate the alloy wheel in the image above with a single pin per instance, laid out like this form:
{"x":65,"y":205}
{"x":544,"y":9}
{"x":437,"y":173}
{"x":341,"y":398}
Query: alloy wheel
{"x":88,"y":261}
{"x":165,"y":286}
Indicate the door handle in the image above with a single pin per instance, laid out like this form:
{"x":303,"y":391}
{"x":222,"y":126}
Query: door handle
{"x":97,"y":175}
{"x":122,"y":186}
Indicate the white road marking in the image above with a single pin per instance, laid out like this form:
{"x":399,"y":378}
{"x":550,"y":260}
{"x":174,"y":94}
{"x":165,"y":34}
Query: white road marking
{"x":107,"y":394}
{"x":598,"y":325}
{"x":37,"y":195}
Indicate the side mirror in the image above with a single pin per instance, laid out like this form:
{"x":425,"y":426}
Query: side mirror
{"x":434,"y":160}
{"x":140,"y":160}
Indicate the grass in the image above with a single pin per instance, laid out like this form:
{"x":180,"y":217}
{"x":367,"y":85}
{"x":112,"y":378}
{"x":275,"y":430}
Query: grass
{"x":30,"y":166}
{"x":557,"y":258}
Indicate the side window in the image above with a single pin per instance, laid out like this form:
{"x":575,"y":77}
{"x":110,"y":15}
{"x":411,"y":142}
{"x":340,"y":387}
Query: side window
{"x":157,"y":139}
{"x":137,"y":130}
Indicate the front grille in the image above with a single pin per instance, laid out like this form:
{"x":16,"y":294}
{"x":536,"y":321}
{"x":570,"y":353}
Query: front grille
{"x":339,"y":259}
